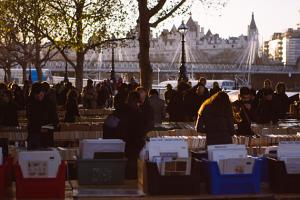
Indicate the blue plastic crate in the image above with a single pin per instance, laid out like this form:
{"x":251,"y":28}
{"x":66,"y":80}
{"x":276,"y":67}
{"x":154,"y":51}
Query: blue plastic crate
{"x":233,"y":183}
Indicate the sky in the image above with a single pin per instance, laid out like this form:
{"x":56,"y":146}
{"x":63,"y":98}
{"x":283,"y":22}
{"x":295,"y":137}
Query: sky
{"x":270,"y":16}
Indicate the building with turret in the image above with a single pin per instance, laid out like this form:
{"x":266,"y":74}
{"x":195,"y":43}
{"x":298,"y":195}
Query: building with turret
{"x":201,"y":46}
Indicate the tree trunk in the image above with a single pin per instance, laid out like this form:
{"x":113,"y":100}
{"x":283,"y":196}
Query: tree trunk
{"x":8,"y":71}
{"x":144,"y":43}
{"x":39,"y":73}
{"x":79,"y":70}
{"x":24,"y":67}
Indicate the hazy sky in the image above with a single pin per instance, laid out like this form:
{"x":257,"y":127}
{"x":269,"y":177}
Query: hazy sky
{"x":270,"y":16}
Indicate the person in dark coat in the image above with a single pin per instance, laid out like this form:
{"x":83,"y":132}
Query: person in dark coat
{"x":72,"y":110}
{"x":169,"y":93}
{"x":116,"y":125}
{"x":267,"y":86}
{"x":122,"y":96}
{"x":146,"y":110}
{"x":103,"y":94}
{"x":266,"y":108}
{"x":216,"y":119}
{"x":176,"y":108}
{"x":18,"y":96}
{"x":193,"y":101}
{"x":135,"y":135}
{"x":8,"y":110}
{"x":202,"y":81}
{"x":51,"y":93}
{"x":281,"y":102}
{"x":244,"y":112}
{"x":158,"y":106}
{"x":89,"y":95}
{"x":40,"y":112}
{"x":215,"y":89}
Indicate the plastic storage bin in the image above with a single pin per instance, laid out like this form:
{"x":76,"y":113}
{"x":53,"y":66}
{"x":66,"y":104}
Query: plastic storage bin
{"x":233,"y":183}
{"x":42,"y":188}
{"x":152,"y":183}
{"x":101,"y":171}
{"x":280,"y":181}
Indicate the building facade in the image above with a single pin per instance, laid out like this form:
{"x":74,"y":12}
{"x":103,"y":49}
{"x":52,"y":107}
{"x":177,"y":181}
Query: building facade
{"x":284,"y":47}
{"x":201,"y":46}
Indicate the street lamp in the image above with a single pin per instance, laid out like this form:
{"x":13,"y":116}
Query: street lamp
{"x":112,"y":72}
{"x":182,"y":70}
{"x":66,"y":79}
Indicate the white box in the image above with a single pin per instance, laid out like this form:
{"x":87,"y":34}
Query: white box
{"x":39,"y":164}
{"x":221,"y":152}
{"x":162,"y":146}
{"x":288,"y":149}
{"x":89,"y":147}
{"x":292,"y":164}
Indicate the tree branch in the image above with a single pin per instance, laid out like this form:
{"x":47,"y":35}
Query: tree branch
{"x":157,"y":8}
{"x":170,"y":13}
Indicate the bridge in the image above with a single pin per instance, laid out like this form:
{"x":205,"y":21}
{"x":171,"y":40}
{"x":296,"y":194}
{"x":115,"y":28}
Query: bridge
{"x":133,"y":67}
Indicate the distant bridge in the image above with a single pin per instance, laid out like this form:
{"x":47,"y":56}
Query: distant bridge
{"x":133,"y":66}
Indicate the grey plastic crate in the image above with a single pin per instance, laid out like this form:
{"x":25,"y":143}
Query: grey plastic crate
{"x":101,"y":171}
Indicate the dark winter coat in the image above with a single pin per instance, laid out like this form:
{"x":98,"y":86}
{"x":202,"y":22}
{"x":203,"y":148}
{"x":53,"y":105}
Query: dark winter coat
{"x":266,"y":112}
{"x":72,"y":110}
{"x":40,"y":114}
{"x":9,"y":114}
{"x":158,"y":107}
{"x":219,"y":128}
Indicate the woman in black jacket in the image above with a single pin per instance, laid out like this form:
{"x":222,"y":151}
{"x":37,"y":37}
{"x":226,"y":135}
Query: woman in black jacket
{"x":215,"y":118}
{"x":126,"y":123}
{"x":40,"y":112}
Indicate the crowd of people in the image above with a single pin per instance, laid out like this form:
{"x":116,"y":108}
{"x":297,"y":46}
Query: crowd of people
{"x":136,"y":111}
{"x":217,"y":115}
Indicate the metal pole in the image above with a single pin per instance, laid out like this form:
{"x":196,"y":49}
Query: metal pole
{"x":182,"y":72}
{"x":112,"y":73}
{"x":157,"y":75}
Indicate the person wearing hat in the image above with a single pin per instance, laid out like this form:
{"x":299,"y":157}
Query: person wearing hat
{"x":40,"y":111}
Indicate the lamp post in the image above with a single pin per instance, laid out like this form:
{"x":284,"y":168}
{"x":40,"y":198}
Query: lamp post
{"x":112,"y":72}
{"x":182,"y":70}
{"x":158,"y":70}
{"x":66,"y":79}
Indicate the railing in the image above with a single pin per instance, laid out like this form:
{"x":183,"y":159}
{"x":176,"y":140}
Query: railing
{"x":133,"y":66}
